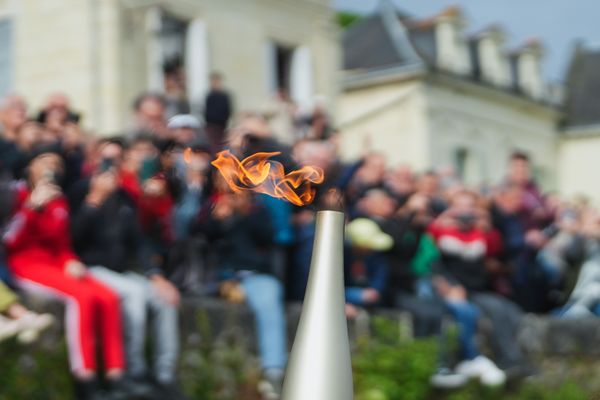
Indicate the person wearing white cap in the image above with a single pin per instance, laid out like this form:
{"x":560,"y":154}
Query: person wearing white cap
{"x":185,"y":128}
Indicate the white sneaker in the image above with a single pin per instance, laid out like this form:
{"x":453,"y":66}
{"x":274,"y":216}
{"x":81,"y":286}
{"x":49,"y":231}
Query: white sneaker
{"x":8,"y":328}
{"x":484,"y":369}
{"x":271,"y":384}
{"x":31,"y":324}
{"x":445,"y":378}
{"x":491,"y":375}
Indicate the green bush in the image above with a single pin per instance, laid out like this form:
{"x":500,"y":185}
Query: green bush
{"x":36,"y":372}
{"x":386,"y":367}
{"x":209,"y":370}
{"x":527,"y":391}
{"x":216,"y":370}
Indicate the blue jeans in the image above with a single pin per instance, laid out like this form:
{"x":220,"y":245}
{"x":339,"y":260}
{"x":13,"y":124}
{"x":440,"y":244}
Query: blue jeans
{"x":424,"y":288}
{"x":550,"y":271}
{"x":264,"y":294}
{"x":466,"y":315}
{"x":354,"y":296}
{"x":5,"y":274}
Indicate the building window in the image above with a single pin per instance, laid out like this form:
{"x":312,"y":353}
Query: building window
{"x":167,"y":59}
{"x":283,"y":66}
{"x":289,"y":68}
{"x":461,"y":158}
{"x":469,"y":166}
{"x":6,"y":51}
{"x":172,"y":36}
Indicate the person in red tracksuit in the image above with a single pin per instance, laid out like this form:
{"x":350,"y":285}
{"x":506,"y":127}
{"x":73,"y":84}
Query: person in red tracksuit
{"x":40,"y":256}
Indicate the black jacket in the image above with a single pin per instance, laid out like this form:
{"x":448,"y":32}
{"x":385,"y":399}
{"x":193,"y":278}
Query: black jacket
{"x":218,"y":108}
{"x":110,"y":235}
{"x":241,"y":242}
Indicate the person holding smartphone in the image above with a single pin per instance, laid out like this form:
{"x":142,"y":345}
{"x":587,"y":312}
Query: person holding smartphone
{"x":120,"y":256}
{"x":39,"y":254}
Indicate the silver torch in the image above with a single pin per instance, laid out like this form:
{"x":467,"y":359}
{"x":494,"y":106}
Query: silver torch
{"x":320,"y":366}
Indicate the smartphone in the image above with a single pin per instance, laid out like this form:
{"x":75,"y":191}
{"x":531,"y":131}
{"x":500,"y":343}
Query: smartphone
{"x":106,"y":164}
{"x":150,"y":167}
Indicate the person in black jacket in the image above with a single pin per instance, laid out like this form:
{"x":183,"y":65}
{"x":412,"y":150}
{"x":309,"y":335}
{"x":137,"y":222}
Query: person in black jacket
{"x":241,"y":232}
{"x":406,"y":226}
{"x":108,"y":238}
{"x":217,"y":111}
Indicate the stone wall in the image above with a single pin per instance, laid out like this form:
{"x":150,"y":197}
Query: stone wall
{"x":219,"y":349}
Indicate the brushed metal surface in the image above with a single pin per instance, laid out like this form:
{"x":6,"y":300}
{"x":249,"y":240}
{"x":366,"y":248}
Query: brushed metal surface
{"x":320,"y":367}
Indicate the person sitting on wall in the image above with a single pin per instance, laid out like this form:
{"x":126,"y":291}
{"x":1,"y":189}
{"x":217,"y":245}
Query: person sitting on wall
{"x":39,"y":255}
{"x":240,"y":231}
{"x":366,"y":265}
{"x":16,"y":320}
{"x":120,"y":257}
{"x":465,"y":240}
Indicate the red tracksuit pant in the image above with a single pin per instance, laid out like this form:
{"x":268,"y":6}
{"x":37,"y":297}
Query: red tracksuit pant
{"x":91,"y":309}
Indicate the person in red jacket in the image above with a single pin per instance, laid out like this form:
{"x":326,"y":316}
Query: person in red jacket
{"x":41,"y":259}
{"x":142,"y":177}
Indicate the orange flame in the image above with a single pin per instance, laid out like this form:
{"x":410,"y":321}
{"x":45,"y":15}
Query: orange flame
{"x":259,"y":174}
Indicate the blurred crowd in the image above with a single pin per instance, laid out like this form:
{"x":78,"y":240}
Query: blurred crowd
{"x":122,"y":228}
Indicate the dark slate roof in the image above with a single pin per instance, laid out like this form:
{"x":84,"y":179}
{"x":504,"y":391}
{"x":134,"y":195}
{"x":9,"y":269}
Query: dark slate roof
{"x":583,"y":88}
{"x":380,"y":41}
{"x":367,"y":45}
{"x":390,"y":39}
{"x":423,"y":40}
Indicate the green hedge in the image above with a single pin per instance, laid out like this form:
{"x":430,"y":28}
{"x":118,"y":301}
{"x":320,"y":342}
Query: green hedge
{"x":386,"y":367}
{"x":209,"y":370}
{"x":389,"y":368}
{"x":35,"y":372}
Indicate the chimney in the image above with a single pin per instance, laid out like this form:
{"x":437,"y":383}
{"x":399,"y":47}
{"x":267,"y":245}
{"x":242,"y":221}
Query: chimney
{"x":493,"y":63}
{"x":528,"y":69}
{"x":451,"y":49}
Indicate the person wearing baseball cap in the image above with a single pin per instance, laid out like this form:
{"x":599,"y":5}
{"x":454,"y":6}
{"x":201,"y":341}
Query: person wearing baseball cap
{"x":185,"y":128}
{"x":366,"y":265}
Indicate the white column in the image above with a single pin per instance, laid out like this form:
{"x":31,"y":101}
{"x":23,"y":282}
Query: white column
{"x":270,"y":60}
{"x":6,"y":53}
{"x":197,"y":65}
{"x":473,"y":168}
{"x":108,"y":94}
{"x":301,"y":78}
{"x":154,"y":55}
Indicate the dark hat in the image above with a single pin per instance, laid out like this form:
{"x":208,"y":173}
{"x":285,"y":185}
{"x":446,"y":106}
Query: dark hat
{"x":41,"y":149}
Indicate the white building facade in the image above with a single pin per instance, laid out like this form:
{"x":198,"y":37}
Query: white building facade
{"x":427,"y":95}
{"x":102,"y":53}
{"x":579,"y":156}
